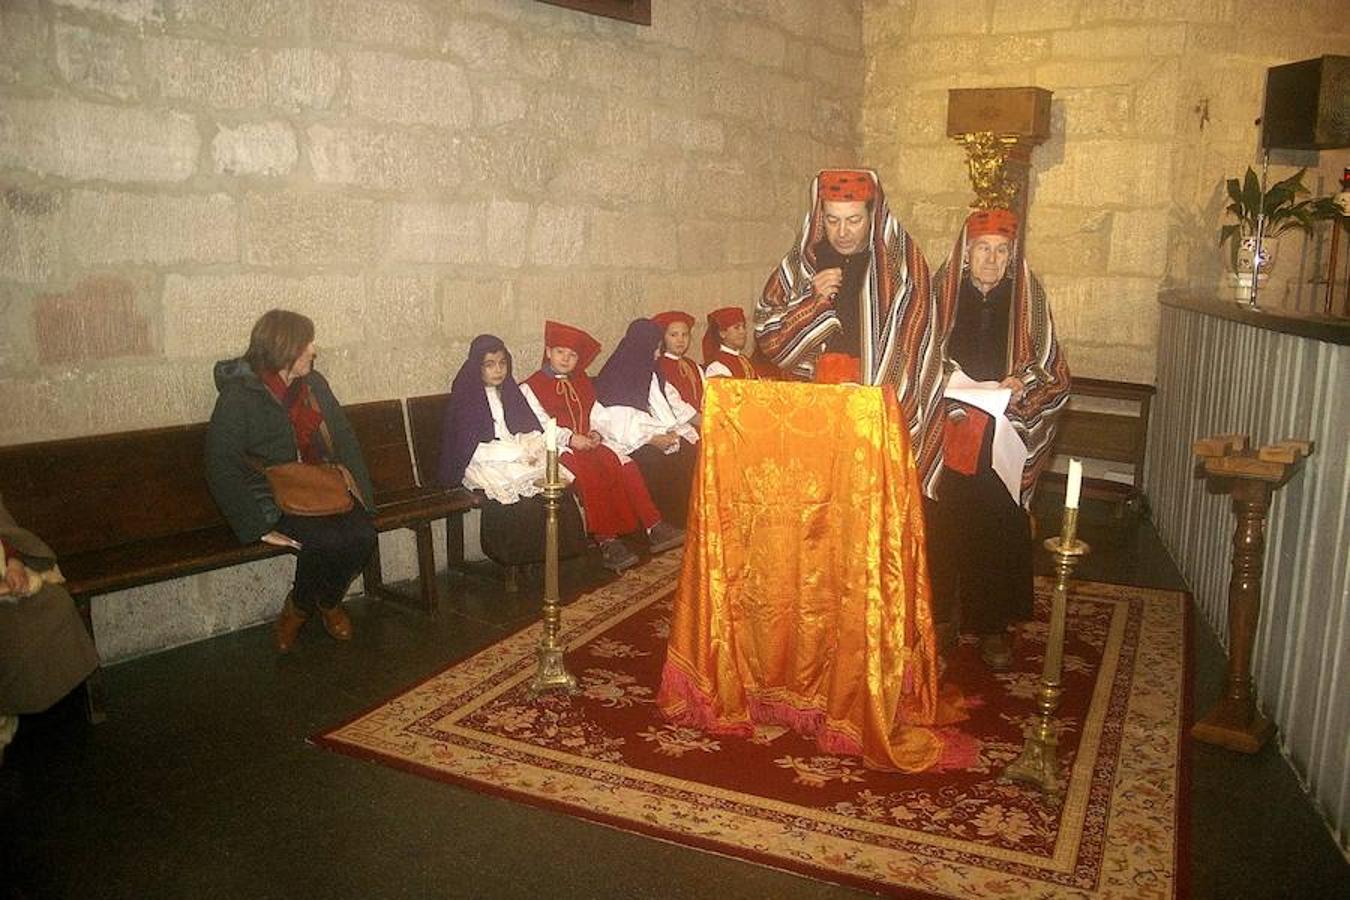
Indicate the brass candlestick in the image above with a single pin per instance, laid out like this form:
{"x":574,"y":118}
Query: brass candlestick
{"x":551,"y":672}
{"x":1038,"y":763}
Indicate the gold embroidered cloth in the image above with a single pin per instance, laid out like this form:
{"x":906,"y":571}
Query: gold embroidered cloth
{"x":804,"y":598}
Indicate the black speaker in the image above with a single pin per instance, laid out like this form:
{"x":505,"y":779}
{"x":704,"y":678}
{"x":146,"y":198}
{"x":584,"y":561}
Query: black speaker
{"x":1308,"y":105}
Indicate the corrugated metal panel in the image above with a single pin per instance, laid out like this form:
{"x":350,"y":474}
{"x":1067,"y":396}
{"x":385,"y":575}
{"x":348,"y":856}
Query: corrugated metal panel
{"x":1217,"y":376}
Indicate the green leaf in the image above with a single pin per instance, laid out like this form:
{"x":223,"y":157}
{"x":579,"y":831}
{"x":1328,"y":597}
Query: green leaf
{"x":1227,"y":232}
{"x":1251,"y":193}
{"x":1293,"y":184}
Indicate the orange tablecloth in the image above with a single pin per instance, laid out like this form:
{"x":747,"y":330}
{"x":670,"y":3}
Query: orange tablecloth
{"x":804,"y":597}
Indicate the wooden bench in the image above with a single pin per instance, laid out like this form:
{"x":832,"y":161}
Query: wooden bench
{"x":1118,"y":434}
{"x":132,"y":508}
{"x":400,"y":501}
{"x":425,"y":417}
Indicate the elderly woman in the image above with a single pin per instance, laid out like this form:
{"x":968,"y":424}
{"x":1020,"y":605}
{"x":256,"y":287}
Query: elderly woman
{"x":44,"y":650}
{"x":275,"y":409}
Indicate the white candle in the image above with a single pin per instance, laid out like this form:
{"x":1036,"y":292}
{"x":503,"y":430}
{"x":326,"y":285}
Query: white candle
{"x":1075,"y":484}
{"x":551,"y":434}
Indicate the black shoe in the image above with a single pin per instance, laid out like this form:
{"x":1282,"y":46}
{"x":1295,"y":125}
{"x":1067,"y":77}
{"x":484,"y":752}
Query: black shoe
{"x":616,"y":556}
{"x":663,"y":536}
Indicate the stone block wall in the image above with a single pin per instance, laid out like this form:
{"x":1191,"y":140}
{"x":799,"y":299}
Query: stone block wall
{"x":1154,"y":103}
{"x":407,"y":173}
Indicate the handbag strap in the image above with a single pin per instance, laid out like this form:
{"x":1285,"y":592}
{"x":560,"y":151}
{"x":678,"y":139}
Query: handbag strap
{"x":352,"y":486}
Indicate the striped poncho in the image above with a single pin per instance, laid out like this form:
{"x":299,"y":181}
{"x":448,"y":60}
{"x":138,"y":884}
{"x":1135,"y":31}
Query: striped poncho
{"x":792,"y":325}
{"x":1034,"y":356}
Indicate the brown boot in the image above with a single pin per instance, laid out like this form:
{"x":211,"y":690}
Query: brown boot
{"x":336,"y":622}
{"x":288,"y":624}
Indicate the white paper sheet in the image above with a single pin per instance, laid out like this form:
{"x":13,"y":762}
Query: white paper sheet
{"x":1009,"y":454}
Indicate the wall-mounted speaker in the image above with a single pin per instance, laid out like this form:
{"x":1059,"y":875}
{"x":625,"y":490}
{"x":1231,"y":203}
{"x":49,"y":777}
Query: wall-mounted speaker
{"x":1308,"y":105}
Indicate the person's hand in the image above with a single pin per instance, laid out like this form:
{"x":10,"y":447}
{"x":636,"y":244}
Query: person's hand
{"x":1013,"y":383}
{"x":582,"y":442}
{"x":16,"y":576}
{"x":277,"y":539}
{"x":663,"y":441}
{"x":826,"y":282}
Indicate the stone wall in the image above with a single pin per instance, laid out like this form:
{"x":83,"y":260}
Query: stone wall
{"x":1154,"y":103}
{"x":409,"y":174}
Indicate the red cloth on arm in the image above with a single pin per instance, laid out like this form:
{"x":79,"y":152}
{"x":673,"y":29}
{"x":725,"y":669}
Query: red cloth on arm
{"x":963,"y":438}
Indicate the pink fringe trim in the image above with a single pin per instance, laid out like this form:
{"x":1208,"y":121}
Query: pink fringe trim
{"x":959,"y":750}
{"x":685,"y":703}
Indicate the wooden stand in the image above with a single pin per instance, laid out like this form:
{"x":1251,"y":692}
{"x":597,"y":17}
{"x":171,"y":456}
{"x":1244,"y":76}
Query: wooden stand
{"x":1251,"y":479}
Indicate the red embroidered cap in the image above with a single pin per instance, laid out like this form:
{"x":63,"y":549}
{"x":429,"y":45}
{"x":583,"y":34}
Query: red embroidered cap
{"x":846,"y":184}
{"x":991,"y":221}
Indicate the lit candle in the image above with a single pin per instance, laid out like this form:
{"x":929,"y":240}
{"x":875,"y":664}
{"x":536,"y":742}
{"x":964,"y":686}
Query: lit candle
{"x":1075,"y":484}
{"x":551,"y":434}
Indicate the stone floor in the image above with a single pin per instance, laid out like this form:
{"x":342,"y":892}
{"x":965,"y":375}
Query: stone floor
{"x":202,"y":785}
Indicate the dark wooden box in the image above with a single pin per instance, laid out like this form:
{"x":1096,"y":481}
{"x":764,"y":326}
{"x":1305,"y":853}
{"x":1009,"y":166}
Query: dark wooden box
{"x":1021,"y":111}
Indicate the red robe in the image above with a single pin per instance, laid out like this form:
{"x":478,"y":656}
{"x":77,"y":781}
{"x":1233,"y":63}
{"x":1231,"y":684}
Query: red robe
{"x":613,"y":495}
{"x":738,"y":364}
{"x":685,"y":375}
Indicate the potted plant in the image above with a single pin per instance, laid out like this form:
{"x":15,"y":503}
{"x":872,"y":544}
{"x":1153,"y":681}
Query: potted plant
{"x":1284,"y":211}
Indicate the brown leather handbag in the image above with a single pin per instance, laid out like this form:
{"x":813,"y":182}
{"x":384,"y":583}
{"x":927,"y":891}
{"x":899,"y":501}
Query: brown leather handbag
{"x":310,"y":489}
{"x":313,"y":489}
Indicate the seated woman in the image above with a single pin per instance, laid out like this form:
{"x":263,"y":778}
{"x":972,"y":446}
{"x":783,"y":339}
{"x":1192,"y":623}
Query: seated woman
{"x":647,"y":419}
{"x":45,"y":651}
{"x":274,"y":408}
{"x":491,"y":442}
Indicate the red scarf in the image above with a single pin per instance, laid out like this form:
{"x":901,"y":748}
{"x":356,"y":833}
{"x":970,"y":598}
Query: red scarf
{"x":304,"y":415}
{"x":684,"y":374}
{"x":568,"y":399}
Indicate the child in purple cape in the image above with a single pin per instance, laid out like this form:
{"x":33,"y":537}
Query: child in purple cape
{"x":647,"y":419}
{"x":491,"y":443}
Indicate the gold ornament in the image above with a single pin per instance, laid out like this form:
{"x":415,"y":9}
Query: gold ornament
{"x":987,"y":158}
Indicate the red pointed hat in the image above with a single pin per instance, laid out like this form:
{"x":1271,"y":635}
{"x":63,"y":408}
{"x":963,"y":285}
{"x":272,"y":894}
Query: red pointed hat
{"x":846,"y":184}
{"x":717,"y":320}
{"x":587,"y":348}
{"x":727,"y":316}
{"x":1002,"y":222}
{"x":670,"y":317}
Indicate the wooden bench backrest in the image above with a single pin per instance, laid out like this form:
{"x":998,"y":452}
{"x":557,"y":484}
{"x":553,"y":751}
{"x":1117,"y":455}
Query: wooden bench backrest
{"x":425,"y":416}
{"x":89,"y":493}
{"x":384,"y":443}
{"x":1112,"y":436}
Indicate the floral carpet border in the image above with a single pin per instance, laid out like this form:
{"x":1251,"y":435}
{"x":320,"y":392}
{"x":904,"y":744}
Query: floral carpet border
{"x":1123,"y":811}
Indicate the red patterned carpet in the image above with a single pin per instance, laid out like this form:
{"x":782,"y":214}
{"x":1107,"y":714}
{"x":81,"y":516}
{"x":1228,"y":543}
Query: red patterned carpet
{"x":608,"y":756}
